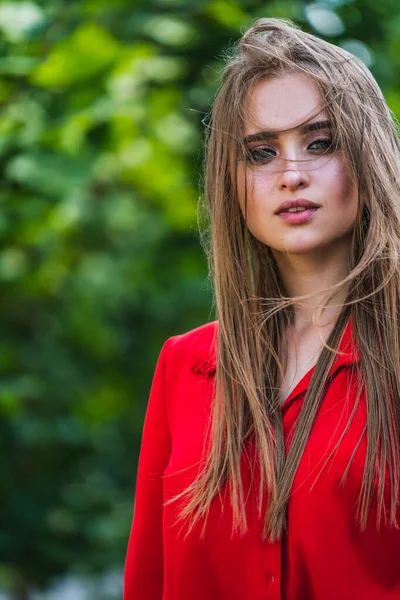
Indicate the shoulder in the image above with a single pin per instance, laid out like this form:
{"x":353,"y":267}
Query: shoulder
{"x":195,"y":348}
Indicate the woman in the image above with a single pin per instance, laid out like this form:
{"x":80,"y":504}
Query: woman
{"x":270,"y":458}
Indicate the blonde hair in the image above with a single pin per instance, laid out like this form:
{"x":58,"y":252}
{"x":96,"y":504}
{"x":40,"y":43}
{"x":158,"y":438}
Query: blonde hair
{"x":251,"y":301}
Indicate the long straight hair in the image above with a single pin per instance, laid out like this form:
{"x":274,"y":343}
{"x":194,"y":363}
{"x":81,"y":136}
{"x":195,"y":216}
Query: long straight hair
{"x":253,"y":306}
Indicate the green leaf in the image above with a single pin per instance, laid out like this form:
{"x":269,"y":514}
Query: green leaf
{"x":88,"y":52}
{"x":48,"y":173}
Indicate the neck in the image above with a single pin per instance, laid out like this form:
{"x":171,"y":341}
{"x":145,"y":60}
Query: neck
{"x":313,"y":274}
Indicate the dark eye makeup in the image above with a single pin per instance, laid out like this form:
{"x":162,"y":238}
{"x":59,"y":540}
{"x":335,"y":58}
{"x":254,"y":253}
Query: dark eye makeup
{"x":265,"y":153}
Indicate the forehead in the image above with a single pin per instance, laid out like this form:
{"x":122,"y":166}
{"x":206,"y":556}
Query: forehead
{"x":282,"y":103}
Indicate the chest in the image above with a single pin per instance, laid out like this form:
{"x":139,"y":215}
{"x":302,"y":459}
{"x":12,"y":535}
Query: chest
{"x":327,"y":450}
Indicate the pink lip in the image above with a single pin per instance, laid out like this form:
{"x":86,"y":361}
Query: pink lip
{"x":298,"y":217}
{"x":297,"y":203}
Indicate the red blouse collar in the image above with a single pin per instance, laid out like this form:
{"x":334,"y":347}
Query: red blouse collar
{"x":204,"y":359}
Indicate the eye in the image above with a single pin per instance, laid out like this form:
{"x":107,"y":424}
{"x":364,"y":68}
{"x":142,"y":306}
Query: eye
{"x":322,"y":145}
{"x":259,"y":154}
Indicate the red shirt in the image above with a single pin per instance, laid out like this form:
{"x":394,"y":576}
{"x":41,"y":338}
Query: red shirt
{"x":324,"y":554}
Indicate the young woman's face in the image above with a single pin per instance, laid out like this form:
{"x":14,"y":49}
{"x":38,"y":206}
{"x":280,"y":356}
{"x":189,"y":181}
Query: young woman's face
{"x":297,"y":164}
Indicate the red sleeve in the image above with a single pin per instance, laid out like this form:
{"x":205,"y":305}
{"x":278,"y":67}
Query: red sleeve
{"x":143,"y":577}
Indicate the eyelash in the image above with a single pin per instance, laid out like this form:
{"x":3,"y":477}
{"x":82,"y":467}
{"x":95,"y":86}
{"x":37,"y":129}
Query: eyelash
{"x":255,"y":154}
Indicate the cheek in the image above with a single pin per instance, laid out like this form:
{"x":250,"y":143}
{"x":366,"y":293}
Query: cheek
{"x":245,"y":187}
{"x":256,"y":189}
{"x":342,"y":192}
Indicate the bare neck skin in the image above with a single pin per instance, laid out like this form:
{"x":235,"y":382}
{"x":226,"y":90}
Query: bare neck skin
{"x":306,"y":274}
{"x":312,"y":273}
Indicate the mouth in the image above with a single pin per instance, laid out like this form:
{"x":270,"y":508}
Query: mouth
{"x":297,"y":216}
{"x":294,"y":206}
{"x":293,"y":210}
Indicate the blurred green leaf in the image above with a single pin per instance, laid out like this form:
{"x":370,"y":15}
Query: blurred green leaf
{"x":86,"y":53}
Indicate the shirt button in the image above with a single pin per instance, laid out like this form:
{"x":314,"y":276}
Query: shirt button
{"x":270,"y":577}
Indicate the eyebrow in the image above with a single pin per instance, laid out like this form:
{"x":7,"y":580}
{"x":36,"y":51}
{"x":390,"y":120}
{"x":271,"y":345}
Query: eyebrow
{"x":262,"y":136}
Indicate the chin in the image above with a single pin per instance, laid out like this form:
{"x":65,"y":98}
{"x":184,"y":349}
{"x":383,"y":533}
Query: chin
{"x":297,"y":248}
{"x":296,"y":251}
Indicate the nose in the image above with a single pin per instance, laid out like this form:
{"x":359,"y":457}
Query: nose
{"x":293,"y":177}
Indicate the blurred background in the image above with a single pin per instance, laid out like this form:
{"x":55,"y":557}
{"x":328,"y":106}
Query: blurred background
{"x":101,"y":145}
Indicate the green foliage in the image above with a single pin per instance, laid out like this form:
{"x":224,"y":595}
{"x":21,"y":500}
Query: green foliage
{"x":100,"y":149}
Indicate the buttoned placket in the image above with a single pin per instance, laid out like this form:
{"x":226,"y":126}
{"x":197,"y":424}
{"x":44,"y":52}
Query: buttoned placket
{"x":273,"y":558}
{"x":272,"y":552}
